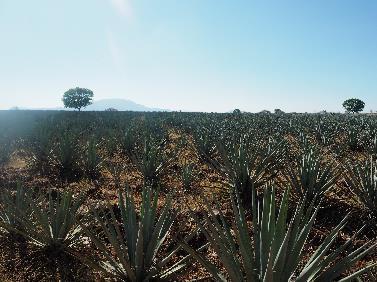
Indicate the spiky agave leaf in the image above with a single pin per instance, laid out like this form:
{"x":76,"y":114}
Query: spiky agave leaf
{"x":362,"y":180}
{"x":204,"y":143}
{"x":187,"y":176}
{"x":39,"y":147}
{"x":273,"y":249}
{"x":250,"y":165}
{"x":5,"y":150}
{"x":352,"y":138}
{"x":136,"y":240}
{"x":93,"y":161}
{"x":373,"y":146}
{"x":128,"y":142}
{"x":53,"y":225}
{"x":66,"y":157}
{"x":12,"y":206}
{"x":151,"y":162}
{"x":312,"y":179}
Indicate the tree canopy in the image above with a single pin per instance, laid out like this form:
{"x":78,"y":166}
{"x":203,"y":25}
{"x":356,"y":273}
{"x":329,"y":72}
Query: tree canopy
{"x":77,"y":98}
{"x":353,"y":105}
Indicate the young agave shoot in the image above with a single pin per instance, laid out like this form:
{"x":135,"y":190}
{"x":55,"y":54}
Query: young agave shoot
{"x":187,"y":176}
{"x":374,"y":145}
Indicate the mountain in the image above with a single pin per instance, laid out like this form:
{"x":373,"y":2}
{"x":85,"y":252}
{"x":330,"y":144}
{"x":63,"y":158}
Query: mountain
{"x":101,"y":105}
{"x":120,"y":105}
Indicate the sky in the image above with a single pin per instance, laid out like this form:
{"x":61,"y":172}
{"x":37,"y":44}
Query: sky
{"x":191,"y":55}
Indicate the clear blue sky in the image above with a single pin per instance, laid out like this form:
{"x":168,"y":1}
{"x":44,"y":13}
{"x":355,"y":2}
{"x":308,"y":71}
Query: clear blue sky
{"x":197,"y":55}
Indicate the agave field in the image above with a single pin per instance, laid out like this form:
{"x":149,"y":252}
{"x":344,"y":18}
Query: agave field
{"x":171,"y":196}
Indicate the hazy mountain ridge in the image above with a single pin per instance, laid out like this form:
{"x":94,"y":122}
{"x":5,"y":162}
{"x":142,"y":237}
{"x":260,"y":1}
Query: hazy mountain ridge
{"x":120,"y":105}
{"x":103,"y":104}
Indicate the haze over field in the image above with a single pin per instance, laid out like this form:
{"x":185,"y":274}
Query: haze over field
{"x":191,"y":55}
{"x":105,"y":104}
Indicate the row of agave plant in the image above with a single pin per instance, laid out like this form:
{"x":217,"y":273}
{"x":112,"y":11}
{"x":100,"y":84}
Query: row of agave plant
{"x":71,"y":146}
{"x":341,"y":133}
{"x":351,"y":132}
{"x":243,"y":156}
{"x":250,"y":249}
{"x":65,"y":156}
{"x":6,"y":148}
{"x":269,"y":248}
{"x":261,"y":241}
{"x":249,"y":160}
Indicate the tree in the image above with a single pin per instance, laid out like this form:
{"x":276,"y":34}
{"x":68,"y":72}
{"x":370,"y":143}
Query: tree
{"x":111,"y":110}
{"x":77,"y":98}
{"x":278,"y":112}
{"x":353,"y":105}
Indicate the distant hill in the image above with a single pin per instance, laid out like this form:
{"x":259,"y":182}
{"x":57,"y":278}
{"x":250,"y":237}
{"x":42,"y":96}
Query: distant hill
{"x":101,"y":105}
{"x":120,"y":105}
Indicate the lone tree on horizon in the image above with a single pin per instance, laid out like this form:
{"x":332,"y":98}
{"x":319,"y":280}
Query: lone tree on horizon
{"x":77,"y":98}
{"x":353,"y":105}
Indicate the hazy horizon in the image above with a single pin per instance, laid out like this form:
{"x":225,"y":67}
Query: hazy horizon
{"x":121,"y":108}
{"x":198,"y":55}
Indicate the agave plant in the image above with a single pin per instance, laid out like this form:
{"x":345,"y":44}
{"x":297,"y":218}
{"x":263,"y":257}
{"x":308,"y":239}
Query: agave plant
{"x":205,"y":144}
{"x":39,"y":148}
{"x":93,"y":161}
{"x":187,"y":176}
{"x":373,"y":147}
{"x":5,"y":151}
{"x":362,"y":180}
{"x":241,"y":169}
{"x":66,"y":157}
{"x":136,"y":241}
{"x":272,"y":250}
{"x":13,"y":207}
{"x":128,"y":142}
{"x":152,"y":162}
{"x":249,"y":168}
{"x":111,"y":146}
{"x":312,"y":178}
{"x":52,"y":227}
{"x":353,"y":138}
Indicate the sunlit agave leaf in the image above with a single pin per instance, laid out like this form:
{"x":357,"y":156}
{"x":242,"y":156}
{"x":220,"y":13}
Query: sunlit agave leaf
{"x":136,"y":245}
{"x":273,"y":249}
